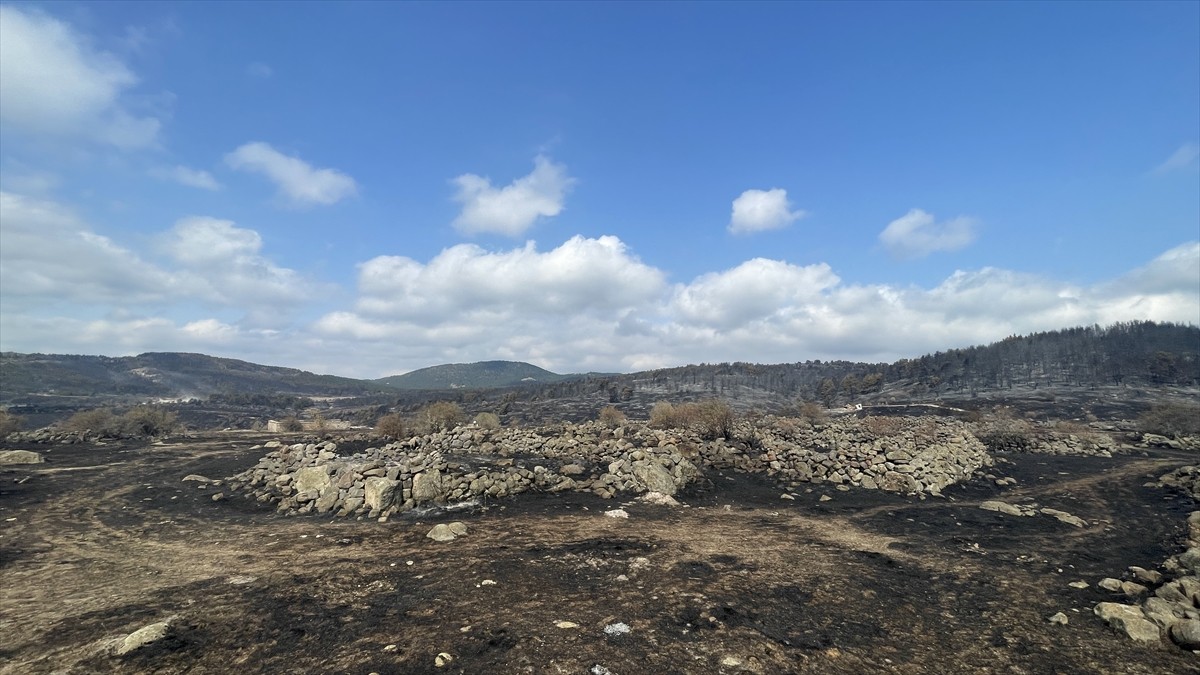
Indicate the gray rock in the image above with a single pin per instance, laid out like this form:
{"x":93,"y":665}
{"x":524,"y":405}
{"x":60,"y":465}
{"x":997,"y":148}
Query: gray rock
{"x":1063,"y":516}
{"x":20,"y":457}
{"x":144,"y":636}
{"x":327,"y":501}
{"x":1190,"y":560}
{"x":1132,"y":588}
{"x":447,"y":531}
{"x":427,"y":487}
{"x":655,"y":478}
{"x":1186,"y":633}
{"x":1162,"y":612}
{"x":1059,"y":618}
{"x":311,"y":478}
{"x":380,"y":493}
{"x":1144,"y":575}
{"x":1129,"y":620}
{"x":1110,"y":584}
{"x":1002,"y":507}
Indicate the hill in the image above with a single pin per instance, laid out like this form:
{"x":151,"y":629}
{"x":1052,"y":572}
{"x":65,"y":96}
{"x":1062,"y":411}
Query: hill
{"x":481,"y":375}
{"x":1122,"y":363}
{"x":26,"y":378}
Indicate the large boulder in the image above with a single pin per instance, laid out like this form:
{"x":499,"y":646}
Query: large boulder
{"x":380,"y":493}
{"x":312,"y":479}
{"x":655,"y":477}
{"x":20,"y":457}
{"x":427,"y":487}
{"x":1129,"y":620}
{"x":1186,"y":634}
{"x":447,"y":531}
{"x":145,"y":636}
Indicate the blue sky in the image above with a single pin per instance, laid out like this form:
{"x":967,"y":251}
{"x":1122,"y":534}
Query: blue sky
{"x":365,"y":189}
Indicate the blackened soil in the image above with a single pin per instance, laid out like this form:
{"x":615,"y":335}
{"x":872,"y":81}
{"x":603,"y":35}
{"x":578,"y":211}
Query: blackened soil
{"x":102,"y":540}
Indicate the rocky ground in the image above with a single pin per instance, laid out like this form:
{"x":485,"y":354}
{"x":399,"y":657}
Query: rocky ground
{"x":101,"y":541}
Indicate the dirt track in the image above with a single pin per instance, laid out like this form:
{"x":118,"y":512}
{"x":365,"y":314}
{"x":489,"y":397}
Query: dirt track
{"x":100,"y":541}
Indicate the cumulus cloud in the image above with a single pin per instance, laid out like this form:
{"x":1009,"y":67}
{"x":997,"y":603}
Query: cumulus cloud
{"x":1182,"y":158}
{"x":468,"y":304}
{"x":183,"y":175}
{"x":586,"y":304}
{"x":513,"y":209}
{"x":53,"y":82}
{"x":297,"y":180}
{"x":51,"y":257}
{"x":758,"y":210}
{"x":916,"y":234}
{"x":757,"y":289}
{"x":579,"y":276}
{"x":223,"y":263}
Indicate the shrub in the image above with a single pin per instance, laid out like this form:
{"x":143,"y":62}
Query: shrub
{"x":99,"y":421}
{"x":9,"y":423}
{"x":392,"y":426}
{"x":442,"y":415}
{"x":291,"y":424}
{"x":487,"y":420}
{"x":611,"y":417}
{"x":812,"y":412}
{"x":148,"y":420}
{"x":662,"y":415}
{"x":882,"y":427}
{"x":1171,"y":419}
{"x":714,"y":417}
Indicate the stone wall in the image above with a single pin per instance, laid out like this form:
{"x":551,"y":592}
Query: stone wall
{"x":470,"y":463}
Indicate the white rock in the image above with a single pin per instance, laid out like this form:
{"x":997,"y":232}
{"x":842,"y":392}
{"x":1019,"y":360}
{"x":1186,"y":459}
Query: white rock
{"x":618,"y":628}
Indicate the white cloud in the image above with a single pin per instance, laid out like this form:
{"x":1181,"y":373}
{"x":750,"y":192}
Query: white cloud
{"x":579,"y":276}
{"x":1182,"y":158}
{"x":586,"y":304}
{"x":757,"y":289}
{"x":297,"y":180}
{"x":183,"y":175}
{"x":49,"y":256}
{"x":259,"y":70}
{"x":223,"y":263}
{"x":758,"y":210}
{"x":54,"y":83}
{"x":513,"y":209}
{"x":916,"y":234}
{"x":52,"y":258}
{"x":468,"y":304}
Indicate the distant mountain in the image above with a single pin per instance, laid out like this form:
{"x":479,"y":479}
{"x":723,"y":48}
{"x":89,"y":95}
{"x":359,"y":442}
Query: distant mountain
{"x":168,"y":375}
{"x":481,"y":375}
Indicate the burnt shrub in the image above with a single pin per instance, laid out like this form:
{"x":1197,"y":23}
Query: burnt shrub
{"x":1171,"y":419}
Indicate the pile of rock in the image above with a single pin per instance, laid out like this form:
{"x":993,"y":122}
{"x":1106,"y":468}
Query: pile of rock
{"x":1171,"y":443}
{"x":1046,"y":441}
{"x":1172,"y":609}
{"x":50,"y":435}
{"x":1186,"y":478}
{"x":925,"y":455}
{"x":471,"y":463}
{"x":452,"y":467}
